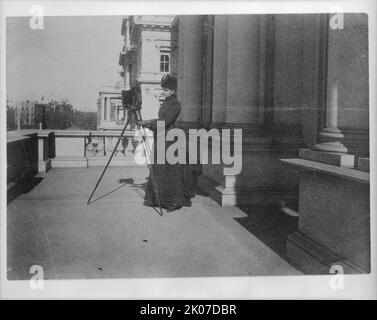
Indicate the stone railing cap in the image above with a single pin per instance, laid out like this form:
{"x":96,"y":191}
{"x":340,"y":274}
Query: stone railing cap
{"x":342,"y":172}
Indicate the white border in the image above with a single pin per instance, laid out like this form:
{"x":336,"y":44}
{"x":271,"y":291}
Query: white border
{"x":279,"y":287}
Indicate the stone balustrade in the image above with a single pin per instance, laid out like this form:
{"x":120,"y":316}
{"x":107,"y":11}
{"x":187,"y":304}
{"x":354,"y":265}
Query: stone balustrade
{"x":30,"y":152}
{"x":92,"y":148}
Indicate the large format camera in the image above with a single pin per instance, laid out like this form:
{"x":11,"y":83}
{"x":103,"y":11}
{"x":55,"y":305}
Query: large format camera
{"x":131,"y":99}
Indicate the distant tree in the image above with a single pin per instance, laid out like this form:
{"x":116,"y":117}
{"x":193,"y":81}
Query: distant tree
{"x":53,"y":115}
{"x":11,"y":119}
{"x":85,"y":120}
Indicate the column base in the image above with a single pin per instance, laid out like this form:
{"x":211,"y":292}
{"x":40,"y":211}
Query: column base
{"x":331,"y":147}
{"x":233,"y":196}
{"x":348,"y":140}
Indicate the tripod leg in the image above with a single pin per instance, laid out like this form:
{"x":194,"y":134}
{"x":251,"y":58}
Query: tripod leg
{"x":147,"y":150}
{"x":108,"y":162}
{"x":155,"y":188}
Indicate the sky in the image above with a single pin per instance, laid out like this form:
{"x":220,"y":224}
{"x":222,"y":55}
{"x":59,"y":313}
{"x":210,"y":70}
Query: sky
{"x":71,"y":57}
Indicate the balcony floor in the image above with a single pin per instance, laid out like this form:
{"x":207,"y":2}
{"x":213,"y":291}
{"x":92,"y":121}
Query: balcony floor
{"x":117,"y":237}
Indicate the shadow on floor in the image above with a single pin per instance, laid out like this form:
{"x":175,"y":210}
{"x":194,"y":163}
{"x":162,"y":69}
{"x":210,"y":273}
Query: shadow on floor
{"x":22,"y":186}
{"x":32,"y":183}
{"x":270,"y":225}
{"x":122,"y":182}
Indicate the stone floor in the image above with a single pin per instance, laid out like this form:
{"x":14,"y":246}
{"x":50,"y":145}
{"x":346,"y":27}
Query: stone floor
{"x":117,"y":237}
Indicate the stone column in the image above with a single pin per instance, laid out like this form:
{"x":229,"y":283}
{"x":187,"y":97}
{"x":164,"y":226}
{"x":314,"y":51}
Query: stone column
{"x":330,"y":137}
{"x":266,"y":70}
{"x":207,"y":59}
{"x":102,"y":108}
{"x":128,"y":44}
{"x":312,"y":76}
{"x":190,"y":69}
{"x":242,"y":88}
{"x":220,"y":69}
{"x":347,"y":107}
{"x":108,"y":107}
{"x":236,"y":99}
{"x":127,"y":78}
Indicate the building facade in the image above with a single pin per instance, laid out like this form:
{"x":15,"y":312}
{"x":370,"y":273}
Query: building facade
{"x":20,"y":115}
{"x":146,"y":57}
{"x":25,"y":114}
{"x":39,"y":115}
{"x":110,"y":113}
{"x":297,"y":86}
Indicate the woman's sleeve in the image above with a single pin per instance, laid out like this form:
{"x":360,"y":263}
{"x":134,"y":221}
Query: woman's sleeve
{"x":168,"y":114}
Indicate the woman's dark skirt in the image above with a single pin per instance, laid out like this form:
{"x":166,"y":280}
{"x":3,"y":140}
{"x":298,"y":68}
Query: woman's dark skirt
{"x":175,"y":185}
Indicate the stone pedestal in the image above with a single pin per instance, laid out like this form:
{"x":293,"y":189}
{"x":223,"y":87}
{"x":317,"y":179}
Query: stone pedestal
{"x":262,"y":180}
{"x":334,"y":219}
{"x":70,"y":149}
{"x":45,"y":146}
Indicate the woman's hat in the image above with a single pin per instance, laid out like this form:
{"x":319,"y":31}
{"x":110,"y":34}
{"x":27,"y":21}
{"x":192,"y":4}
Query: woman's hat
{"x":168,"y":81}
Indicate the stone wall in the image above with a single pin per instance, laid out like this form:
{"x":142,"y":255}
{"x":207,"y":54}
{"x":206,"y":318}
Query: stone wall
{"x":22,"y":163}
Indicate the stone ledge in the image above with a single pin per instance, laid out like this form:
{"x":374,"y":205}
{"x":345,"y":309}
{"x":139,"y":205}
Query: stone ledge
{"x":336,"y":159}
{"x":342,"y":172}
{"x":15,"y":139}
{"x":44,"y":133}
{"x":312,"y":258}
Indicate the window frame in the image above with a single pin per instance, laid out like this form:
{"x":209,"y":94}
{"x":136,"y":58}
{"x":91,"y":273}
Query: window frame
{"x":163,"y":63}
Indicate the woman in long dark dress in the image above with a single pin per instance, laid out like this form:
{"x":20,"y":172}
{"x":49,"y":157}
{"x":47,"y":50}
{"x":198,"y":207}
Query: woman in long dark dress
{"x":173,"y":181}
